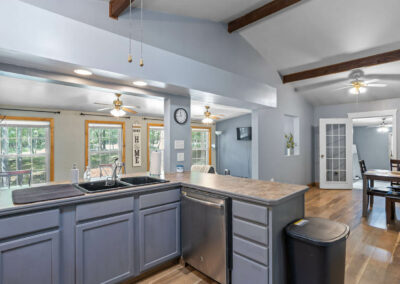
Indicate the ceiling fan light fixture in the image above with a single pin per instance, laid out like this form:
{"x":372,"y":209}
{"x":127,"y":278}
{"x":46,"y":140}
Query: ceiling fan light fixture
{"x":207,"y":120}
{"x":383,"y":129}
{"x":117,"y":112}
{"x":356,"y":91}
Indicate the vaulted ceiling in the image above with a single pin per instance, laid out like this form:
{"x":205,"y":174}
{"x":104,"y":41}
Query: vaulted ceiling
{"x":310,"y":34}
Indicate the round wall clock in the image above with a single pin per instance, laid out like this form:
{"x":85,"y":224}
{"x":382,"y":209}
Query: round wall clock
{"x":181,"y":115}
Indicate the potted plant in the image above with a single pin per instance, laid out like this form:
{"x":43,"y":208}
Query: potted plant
{"x":289,"y":143}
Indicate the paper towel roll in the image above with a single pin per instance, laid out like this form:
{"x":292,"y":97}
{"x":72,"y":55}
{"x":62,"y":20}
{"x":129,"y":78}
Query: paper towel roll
{"x":155,"y":163}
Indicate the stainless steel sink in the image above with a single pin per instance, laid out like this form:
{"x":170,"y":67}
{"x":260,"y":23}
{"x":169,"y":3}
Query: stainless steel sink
{"x":142,"y":180}
{"x":99,"y":186}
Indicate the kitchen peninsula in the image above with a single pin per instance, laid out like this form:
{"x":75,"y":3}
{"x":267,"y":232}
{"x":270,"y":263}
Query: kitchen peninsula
{"x":107,"y":237}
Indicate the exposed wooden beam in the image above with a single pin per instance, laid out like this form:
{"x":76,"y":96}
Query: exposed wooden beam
{"x":116,"y":7}
{"x":377,"y":59}
{"x":259,"y":13}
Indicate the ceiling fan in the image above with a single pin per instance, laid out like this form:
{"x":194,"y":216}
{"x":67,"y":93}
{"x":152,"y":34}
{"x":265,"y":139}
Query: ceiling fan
{"x":208,"y":118}
{"x":383,"y":127}
{"x":118,"y":109}
{"x":358,"y":86}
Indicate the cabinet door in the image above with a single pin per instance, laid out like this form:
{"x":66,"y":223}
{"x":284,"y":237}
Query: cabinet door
{"x":104,"y":250}
{"x":159,"y":236}
{"x":34,"y":259}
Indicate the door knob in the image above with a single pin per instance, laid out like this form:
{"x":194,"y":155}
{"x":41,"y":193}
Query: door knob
{"x":322,"y":156}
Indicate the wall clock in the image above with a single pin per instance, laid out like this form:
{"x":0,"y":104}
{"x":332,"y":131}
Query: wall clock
{"x":181,"y":115}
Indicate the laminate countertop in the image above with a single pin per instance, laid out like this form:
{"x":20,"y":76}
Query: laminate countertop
{"x":258,"y":191}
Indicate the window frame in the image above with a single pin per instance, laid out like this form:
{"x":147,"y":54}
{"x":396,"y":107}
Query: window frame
{"x":209,"y":141}
{"x":87,"y":122}
{"x":51,"y":137}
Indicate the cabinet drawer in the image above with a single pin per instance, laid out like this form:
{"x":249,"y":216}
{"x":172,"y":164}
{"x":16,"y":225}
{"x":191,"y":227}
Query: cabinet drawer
{"x":246,"y":271}
{"x":250,"y":231}
{"x":28,"y":223}
{"x":159,"y":198}
{"x":250,"y":211}
{"x":103,"y":208}
{"x":251,"y":250}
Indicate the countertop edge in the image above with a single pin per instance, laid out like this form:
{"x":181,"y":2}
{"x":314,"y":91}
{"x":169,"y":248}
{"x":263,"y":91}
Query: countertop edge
{"x":140,"y":190}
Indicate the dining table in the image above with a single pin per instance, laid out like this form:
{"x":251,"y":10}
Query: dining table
{"x":372,"y":175}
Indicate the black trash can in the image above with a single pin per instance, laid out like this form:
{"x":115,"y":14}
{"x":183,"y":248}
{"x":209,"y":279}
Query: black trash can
{"x":316,"y":250}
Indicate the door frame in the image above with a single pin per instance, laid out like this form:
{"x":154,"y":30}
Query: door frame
{"x":349,"y":150}
{"x":390,"y":112}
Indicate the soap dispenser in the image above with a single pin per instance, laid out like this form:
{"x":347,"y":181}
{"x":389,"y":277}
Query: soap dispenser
{"x":74,"y":174}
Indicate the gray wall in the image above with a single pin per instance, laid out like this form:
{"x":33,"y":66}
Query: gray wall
{"x":268,"y":152}
{"x":341,"y":111}
{"x":372,"y":147}
{"x":233,"y":154}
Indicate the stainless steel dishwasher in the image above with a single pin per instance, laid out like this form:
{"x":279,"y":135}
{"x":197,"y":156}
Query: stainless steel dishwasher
{"x":206,"y":233}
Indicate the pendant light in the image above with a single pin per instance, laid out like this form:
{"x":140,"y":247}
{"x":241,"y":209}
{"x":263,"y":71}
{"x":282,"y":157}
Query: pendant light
{"x":141,"y":34}
{"x":130,"y":32}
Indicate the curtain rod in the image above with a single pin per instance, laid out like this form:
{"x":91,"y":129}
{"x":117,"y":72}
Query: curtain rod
{"x":18,"y":109}
{"x":104,"y":115}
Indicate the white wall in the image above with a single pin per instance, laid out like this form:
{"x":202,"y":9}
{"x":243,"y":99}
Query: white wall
{"x":69,"y":139}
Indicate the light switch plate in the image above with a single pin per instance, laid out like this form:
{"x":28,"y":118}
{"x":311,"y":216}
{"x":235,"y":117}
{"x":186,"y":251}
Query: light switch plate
{"x":180,"y":157}
{"x":179,"y":144}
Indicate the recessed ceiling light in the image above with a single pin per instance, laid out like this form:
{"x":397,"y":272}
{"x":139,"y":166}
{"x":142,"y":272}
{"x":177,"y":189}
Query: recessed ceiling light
{"x":140,"y":83}
{"x":83,"y":72}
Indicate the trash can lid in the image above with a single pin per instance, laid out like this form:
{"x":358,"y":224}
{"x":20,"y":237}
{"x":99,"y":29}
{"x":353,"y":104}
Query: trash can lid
{"x":318,"y":231}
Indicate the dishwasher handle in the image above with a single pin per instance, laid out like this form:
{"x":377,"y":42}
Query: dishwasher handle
{"x":204,"y":202}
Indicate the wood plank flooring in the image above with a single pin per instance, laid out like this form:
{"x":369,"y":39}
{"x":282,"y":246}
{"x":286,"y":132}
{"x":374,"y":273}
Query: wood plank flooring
{"x":373,"y":250}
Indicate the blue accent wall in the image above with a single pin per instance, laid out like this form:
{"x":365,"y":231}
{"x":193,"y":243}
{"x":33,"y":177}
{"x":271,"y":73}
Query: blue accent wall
{"x":233,"y":154}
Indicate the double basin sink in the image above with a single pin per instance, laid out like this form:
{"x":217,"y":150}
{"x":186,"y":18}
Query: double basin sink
{"x":102,"y":185}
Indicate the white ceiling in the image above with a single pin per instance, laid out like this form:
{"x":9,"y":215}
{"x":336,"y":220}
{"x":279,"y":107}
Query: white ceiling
{"x":35,"y":94}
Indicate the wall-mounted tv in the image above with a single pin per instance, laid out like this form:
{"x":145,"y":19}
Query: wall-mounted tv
{"x":243,"y":133}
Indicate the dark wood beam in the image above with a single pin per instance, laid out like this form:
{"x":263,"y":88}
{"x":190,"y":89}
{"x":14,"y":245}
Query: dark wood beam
{"x":257,"y":14}
{"x":116,"y":7}
{"x":377,"y":59}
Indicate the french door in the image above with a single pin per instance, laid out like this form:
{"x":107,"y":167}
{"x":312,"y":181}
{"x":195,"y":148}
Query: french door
{"x":335,"y":144}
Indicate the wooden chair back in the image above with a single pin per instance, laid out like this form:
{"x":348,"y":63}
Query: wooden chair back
{"x":363,"y":168}
{"x":395,"y":167}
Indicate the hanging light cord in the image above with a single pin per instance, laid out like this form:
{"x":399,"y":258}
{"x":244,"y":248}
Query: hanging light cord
{"x":130,"y":32}
{"x":141,"y":33}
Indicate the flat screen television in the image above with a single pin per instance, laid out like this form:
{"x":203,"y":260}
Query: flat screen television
{"x":243,"y":133}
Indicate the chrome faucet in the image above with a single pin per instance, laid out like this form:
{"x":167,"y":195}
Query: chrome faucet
{"x":117,"y":167}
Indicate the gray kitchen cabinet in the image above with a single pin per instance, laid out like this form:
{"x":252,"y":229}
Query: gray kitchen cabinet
{"x":159,"y":235}
{"x":105,"y":250}
{"x":31,"y":259}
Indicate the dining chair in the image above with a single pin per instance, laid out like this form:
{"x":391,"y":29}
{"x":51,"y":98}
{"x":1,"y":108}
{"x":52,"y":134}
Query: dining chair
{"x":395,"y":167}
{"x":371,"y":190}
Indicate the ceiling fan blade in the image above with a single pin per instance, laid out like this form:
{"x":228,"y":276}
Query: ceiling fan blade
{"x":216,"y":116}
{"x":101,"y":104}
{"x":129,"y":110}
{"x":132,"y":107}
{"x":103,"y":109}
{"x":371,"y":81}
{"x":342,"y":88}
{"x":320,"y":85}
{"x":377,"y":85}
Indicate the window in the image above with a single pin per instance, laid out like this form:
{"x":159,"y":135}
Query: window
{"x":26,"y":144}
{"x":201,"y":146}
{"x":105,"y":141}
{"x":155,"y":142}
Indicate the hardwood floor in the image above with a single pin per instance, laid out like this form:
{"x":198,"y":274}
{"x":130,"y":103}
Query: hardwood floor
{"x":373,"y":250}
